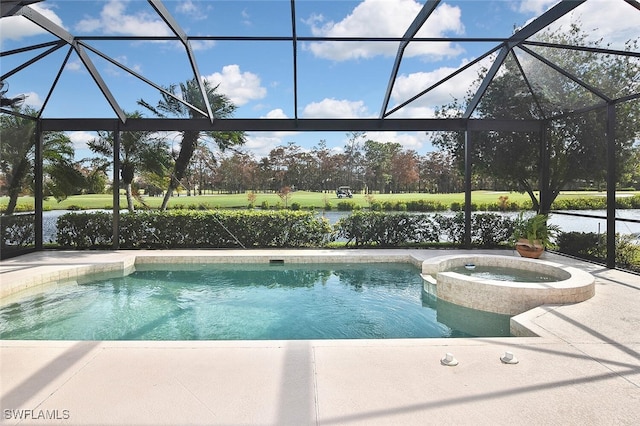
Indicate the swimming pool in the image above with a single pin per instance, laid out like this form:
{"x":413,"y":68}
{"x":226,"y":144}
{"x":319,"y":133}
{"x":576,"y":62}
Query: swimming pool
{"x":241,"y":302}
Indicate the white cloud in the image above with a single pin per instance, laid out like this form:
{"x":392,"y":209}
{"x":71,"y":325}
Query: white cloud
{"x":415,"y":140}
{"x":194,"y":10}
{"x":202,"y":44}
{"x":240,"y":87}
{"x":386,"y":18}
{"x":536,"y":6}
{"x":80,"y":139}
{"x":614,"y":21}
{"x":409,"y":85}
{"x":246,"y":18}
{"x":276,"y":113}
{"x":334,"y":108}
{"x":260,"y":145}
{"x":33,"y":100}
{"x":74,"y":65}
{"x":187,"y":7}
{"x":114,"y":20}
{"x":19,"y":27}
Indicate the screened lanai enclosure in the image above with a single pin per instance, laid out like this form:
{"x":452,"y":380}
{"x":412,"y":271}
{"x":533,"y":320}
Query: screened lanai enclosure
{"x":553,"y":89}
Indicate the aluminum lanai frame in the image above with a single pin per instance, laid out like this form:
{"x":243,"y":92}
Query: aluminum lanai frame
{"x":505,"y":46}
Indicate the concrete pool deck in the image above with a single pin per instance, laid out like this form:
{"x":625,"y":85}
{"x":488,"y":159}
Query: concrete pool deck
{"x":583,"y":369}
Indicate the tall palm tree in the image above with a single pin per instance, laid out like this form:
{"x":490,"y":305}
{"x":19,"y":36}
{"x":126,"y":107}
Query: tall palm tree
{"x":140,"y":152}
{"x":221,"y":107}
{"x":62,"y":176}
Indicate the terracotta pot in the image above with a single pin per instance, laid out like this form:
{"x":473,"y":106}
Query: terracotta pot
{"x":526,"y":249}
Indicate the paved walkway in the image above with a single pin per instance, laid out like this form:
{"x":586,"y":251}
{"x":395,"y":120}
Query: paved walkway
{"x":583,"y":370}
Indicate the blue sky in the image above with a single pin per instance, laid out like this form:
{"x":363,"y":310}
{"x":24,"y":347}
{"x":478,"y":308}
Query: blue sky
{"x":334,"y":79}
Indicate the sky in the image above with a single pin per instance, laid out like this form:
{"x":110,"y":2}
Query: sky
{"x":335,"y":79}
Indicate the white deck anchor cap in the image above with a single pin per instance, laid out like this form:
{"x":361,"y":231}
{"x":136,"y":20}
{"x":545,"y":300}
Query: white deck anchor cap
{"x":508,"y":358}
{"x":449,"y":360}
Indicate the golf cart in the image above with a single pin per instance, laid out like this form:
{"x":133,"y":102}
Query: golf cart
{"x":344,"y":192}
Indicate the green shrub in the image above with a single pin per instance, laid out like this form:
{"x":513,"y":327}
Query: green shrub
{"x":487,"y":229}
{"x":376,"y":206}
{"x":452,"y":227}
{"x":264,"y":205}
{"x":490,"y":230}
{"x":592,"y":246}
{"x":196,"y":229}
{"x":346,"y":206}
{"x":17,"y":231}
{"x":328,"y":206}
{"x":85,"y":230}
{"x":386,"y":229}
{"x":628,"y":202}
{"x":295,"y":206}
{"x":586,"y":245}
{"x":20,"y":208}
{"x":585,"y":203}
{"x":390,"y":206}
{"x":425,"y":206}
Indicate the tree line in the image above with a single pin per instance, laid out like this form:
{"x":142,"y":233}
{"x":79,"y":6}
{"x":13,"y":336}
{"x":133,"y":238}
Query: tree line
{"x":365,"y":165}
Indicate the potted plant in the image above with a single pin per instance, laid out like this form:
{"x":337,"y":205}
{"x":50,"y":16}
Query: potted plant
{"x":531,"y":236}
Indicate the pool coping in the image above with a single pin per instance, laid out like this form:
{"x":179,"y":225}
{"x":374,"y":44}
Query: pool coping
{"x":584,"y":368}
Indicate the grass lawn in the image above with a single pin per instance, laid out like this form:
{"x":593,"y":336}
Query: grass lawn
{"x":306,"y":199}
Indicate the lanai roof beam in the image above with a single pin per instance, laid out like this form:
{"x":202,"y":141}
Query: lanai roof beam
{"x":177,"y":30}
{"x":413,"y":29}
{"x":64,"y":35}
{"x":551,"y":15}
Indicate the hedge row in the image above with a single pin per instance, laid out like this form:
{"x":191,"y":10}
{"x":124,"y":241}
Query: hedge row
{"x":17,"y":230}
{"x":195,"y":229}
{"x":252,"y":229}
{"x":592,"y":246}
{"x":397,"y":229}
{"x":584,"y":203}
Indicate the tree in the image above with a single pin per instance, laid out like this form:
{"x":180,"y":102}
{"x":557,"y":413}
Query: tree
{"x":61,"y":175}
{"x":328,"y":167}
{"x":354,"y":159}
{"x":201,"y":174}
{"x":438,"y":174}
{"x":378,"y":159}
{"x":285,"y":194}
{"x":95,"y":174}
{"x":574,"y":145}
{"x":221,"y":107}
{"x":237,"y":173}
{"x":140,"y":152}
{"x":404,"y":170}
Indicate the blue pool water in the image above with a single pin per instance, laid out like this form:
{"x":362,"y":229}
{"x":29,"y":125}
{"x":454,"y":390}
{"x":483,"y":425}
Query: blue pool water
{"x":246,"y":302}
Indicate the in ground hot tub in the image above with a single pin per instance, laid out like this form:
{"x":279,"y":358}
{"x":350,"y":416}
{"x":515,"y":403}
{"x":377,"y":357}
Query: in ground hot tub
{"x":544,"y":282}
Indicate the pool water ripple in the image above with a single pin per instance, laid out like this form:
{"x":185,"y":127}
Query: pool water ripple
{"x":237,"y":302}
